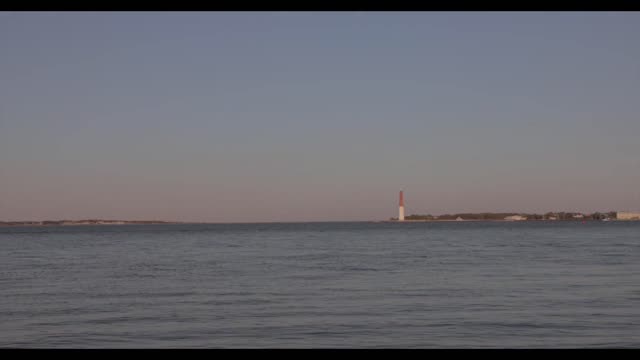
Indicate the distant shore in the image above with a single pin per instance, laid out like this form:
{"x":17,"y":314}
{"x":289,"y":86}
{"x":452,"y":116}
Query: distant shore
{"x":85,"y":222}
{"x":493,"y":220}
{"x":414,"y":218}
{"x":514,"y":216}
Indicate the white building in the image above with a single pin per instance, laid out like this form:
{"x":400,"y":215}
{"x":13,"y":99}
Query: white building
{"x":628,"y":215}
{"x":515,"y":218}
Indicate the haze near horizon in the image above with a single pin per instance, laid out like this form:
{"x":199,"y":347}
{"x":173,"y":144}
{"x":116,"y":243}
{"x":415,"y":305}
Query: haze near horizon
{"x":242,"y":117}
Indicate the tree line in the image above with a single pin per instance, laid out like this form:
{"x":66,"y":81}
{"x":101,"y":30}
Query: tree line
{"x":561,"y":215}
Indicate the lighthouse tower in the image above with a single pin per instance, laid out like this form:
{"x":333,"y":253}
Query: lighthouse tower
{"x":401,"y":208}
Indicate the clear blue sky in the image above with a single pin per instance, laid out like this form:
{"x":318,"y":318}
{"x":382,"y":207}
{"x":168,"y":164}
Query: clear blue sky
{"x":316,"y":116}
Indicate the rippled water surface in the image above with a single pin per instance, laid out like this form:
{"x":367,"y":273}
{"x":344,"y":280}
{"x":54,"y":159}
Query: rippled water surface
{"x":315,"y":285}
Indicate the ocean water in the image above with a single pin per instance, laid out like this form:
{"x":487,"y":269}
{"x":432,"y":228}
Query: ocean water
{"x":322,"y":285}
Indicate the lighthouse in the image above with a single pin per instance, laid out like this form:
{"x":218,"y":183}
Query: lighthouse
{"x":401,"y":208}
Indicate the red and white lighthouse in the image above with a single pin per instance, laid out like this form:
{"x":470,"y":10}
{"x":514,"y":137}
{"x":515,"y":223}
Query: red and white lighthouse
{"x":401,"y":208}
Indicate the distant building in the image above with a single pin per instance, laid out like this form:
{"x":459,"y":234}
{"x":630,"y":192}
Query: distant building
{"x":578,"y":216}
{"x":459,"y":219}
{"x":515,"y":218}
{"x":627,"y":215}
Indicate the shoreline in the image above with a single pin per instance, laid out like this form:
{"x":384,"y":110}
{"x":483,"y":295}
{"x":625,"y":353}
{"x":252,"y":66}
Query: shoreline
{"x":501,"y":220}
{"x":302,"y":222}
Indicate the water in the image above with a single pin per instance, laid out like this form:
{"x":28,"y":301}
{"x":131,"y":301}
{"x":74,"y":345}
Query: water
{"x":322,"y":285}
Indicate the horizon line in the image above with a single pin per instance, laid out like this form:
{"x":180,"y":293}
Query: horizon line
{"x":159,"y":221}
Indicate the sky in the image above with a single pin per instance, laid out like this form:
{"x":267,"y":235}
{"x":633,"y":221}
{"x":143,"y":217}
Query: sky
{"x":303,"y":116}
